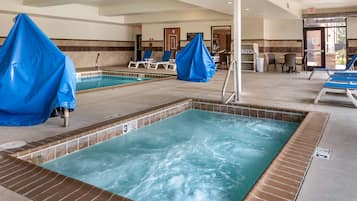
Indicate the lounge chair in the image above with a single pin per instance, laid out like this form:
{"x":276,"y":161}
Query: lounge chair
{"x":346,"y":86}
{"x":344,"y":79}
{"x":147,"y":56}
{"x":164,"y":61}
{"x":171,"y":65}
{"x":349,"y":67}
{"x":289,"y":62}
{"x":271,"y":60}
{"x":345,"y":74}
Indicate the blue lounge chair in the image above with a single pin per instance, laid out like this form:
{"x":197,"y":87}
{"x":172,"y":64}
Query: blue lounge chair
{"x":337,"y":86}
{"x":343,"y":79}
{"x":345,"y":74}
{"x":349,"y":67}
{"x":164,"y":61}
{"x":147,"y":56}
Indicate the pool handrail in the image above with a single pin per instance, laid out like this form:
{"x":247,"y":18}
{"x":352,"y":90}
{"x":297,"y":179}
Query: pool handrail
{"x":225,"y":85}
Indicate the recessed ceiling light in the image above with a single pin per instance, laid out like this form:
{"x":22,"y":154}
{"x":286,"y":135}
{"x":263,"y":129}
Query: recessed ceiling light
{"x":229,"y":2}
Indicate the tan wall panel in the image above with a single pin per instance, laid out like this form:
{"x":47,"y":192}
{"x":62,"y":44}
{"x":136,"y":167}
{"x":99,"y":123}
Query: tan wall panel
{"x":88,"y":59}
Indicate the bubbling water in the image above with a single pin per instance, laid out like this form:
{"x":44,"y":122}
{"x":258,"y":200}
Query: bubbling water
{"x":194,"y":156}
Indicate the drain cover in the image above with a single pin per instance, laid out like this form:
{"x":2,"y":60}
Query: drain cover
{"x":323,"y":153}
{"x":12,"y":145}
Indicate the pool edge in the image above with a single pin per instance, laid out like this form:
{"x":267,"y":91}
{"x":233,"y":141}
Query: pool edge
{"x":278,"y":184}
{"x":156,"y":78}
{"x":260,"y":190}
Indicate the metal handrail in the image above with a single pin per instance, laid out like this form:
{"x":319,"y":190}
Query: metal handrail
{"x":226,"y":81}
{"x":96,"y":61}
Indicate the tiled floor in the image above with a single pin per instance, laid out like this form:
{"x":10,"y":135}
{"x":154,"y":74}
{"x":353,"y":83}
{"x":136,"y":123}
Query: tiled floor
{"x":326,"y":180}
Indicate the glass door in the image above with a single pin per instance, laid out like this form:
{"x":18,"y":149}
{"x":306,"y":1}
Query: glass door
{"x":336,"y":51}
{"x":325,"y":42}
{"x":138,"y":47}
{"x":315,"y":47}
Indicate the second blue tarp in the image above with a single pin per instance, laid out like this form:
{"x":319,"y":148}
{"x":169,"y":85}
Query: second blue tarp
{"x":194,"y":62}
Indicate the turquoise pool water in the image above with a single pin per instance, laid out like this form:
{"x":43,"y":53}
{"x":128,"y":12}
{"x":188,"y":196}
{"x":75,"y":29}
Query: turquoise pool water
{"x":196,"y":156}
{"x":105,"y":81}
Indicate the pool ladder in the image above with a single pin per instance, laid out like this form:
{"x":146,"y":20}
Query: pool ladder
{"x":96,"y":61}
{"x":233,"y":95}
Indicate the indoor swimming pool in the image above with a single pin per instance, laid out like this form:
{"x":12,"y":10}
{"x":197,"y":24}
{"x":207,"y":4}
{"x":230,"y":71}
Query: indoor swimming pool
{"x":196,"y":155}
{"x":100,"y":81}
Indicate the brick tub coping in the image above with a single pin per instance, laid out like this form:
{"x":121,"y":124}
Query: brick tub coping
{"x":282,"y":180}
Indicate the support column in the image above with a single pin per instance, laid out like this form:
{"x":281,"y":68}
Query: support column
{"x":237,"y":26}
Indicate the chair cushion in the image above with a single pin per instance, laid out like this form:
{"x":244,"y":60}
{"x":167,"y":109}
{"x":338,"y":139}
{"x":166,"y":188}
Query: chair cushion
{"x":338,"y":85}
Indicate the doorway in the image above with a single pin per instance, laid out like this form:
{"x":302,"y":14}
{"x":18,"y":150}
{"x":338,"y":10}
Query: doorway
{"x":221,"y":44}
{"x":315,"y":47}
{"x":172,"y":40}
{"x":325,"y":42}
{"x":138,"y":47}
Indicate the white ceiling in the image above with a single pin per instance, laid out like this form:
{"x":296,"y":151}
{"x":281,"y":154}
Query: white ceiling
{"x":129,"y":7}
{"x":250,"y":8}
{"x":197,"y":9}
{"x":327,"y":3}
{"x":219,"y":3}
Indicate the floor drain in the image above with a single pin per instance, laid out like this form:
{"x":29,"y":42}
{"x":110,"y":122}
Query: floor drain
{"x":12,"y":145}
{"x":323,"y":153}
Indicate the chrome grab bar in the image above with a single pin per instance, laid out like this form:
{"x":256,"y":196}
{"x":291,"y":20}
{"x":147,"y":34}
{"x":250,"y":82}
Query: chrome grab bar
{"x":96,"y":62}
{"x":231,"y":68}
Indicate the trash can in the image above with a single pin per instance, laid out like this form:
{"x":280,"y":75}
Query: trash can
{"x":260,"y":64}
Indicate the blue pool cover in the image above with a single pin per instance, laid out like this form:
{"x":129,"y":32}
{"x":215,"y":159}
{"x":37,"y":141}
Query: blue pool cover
{"x":35,"y":76}
{"x":194,"y":62}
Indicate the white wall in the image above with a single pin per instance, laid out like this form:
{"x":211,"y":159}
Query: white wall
{"x":352,"y":27}
{"x":73,"y":29}
{"x":283,"y":29}
{"x":156,"y":31}
{"x":69,"y":11}
{"x":72,"y":21}
{"x":252,"y":28}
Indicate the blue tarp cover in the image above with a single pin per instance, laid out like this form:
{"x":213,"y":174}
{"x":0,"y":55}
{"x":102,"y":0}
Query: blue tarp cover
{"x":35,"y":76}
{"x":194,"y":62}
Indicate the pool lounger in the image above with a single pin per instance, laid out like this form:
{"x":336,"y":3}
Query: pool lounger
{"x":344,"y":74}
{"x":345,"y":87}
{"x":330,"y":71}
{"x":172,"y":66}
{"x":147,"y":56}
{"x":164,"y":61}
{"x":350,"y":79}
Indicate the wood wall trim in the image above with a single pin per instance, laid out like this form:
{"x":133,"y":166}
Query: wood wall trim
{"x":352,"y":49}
{"x":152,"y":41}
{"x":148,"y":41}
{"x":297,"y":40}
{"x":189,"y":41}
{"x":93,"y":48}
{"x":281,"y":49}
{"x":275,"y":40}
{"x":91,"y":40}
{"x":155,"y":49}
